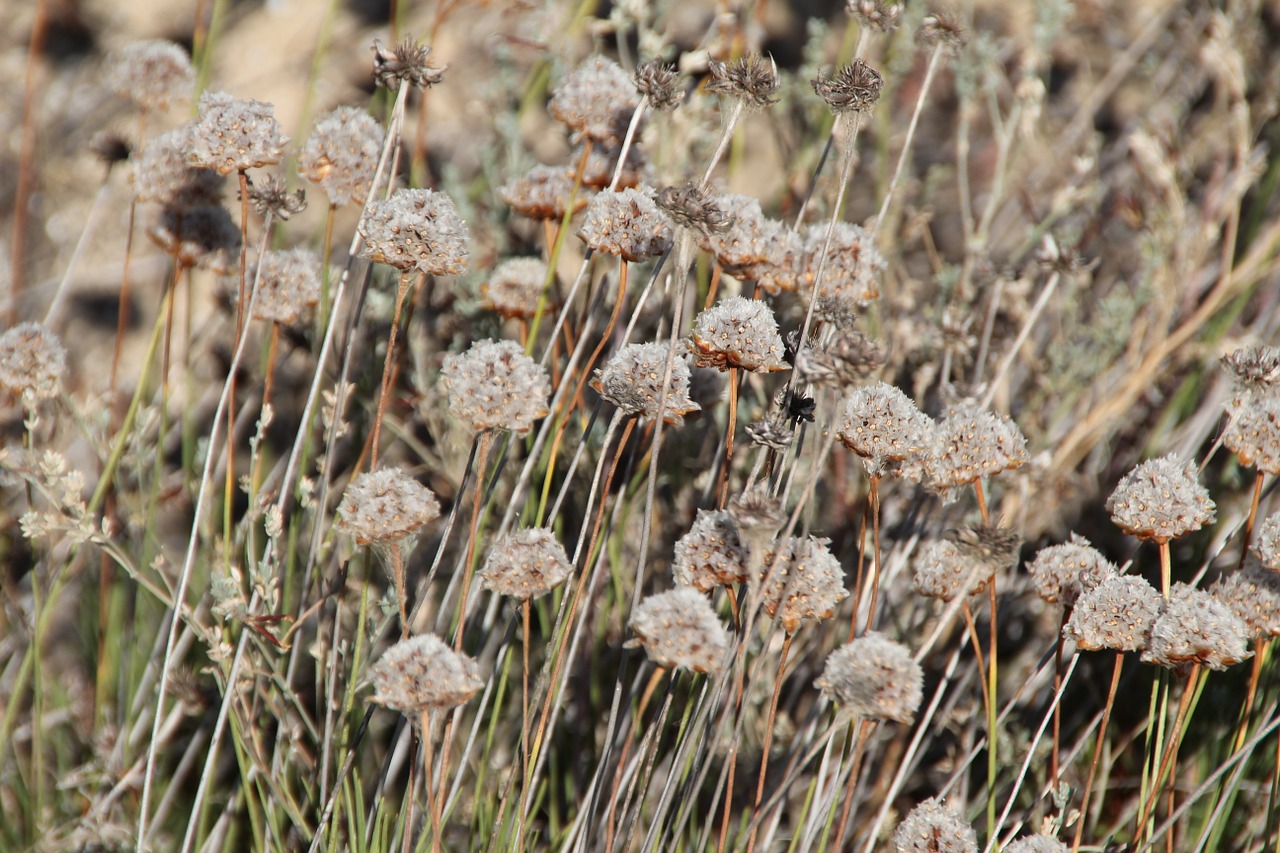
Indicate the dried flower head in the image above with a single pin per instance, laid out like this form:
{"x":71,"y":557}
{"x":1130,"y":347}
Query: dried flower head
{"x":544,"y":193}
{"x":1253,"y":594}
{"x":1254,"y":373}
{"x":883,"y":426}
{"x":385,"y":506}
{"x":1195,"y":627}
{"x":932,"y":827}
{"x":854,"y":88}
{"x":710,"y":554}
{"x":205,"y":237}
{"x":1116,"y":614}
{"x":602,"y":162}
{"x":737,"y":332}
{"x":946,"y":572}
{"x":162,"y":174}
{"x":659,"y":82}
{"x":875,"y":14}
{"x":231,"y":135}
{"x":526,"y":564}
{"x":748,"y":78}
{"x":406,"y":63}
{"x":289,"y":285}
{"x":1266,"y":545}
{"x":341,"y":155}
{"x":772,"y":431}
{"x":632,"y":381}
{"x":943,"y":31}
{"x":154,"y":74}
{"x":1160,"y":500}
{"x":974,"y":443}
{"x":494,"y":385}
{"x":33,"y":362}
{"x":803,"y":581}
{"x":416,"y":228}
{"x":678,"y":628}
{"x":691,"y":207}
{"x":875,"y":678}
{"x":853,"y":266}
{"x":1061,"y":573}
{"x":758,"y":515}
{"x":111,"y":148}
{"x":753,"y":246}
{"x":272,"y":196}
{"x":626,"y":224}
{"x":423,"y":673}
{"x":1254,"y":435}
{"x":991,"y":544}
{"x":514,"y":288}
{"x":595,"y":101}
{"x":848,"y":358}
{"x":1036,"y":844}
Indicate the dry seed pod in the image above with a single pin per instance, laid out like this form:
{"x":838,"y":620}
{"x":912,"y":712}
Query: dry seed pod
{"x":632,"y":381}
{"x":1195,"y":627}
{"x":495,"y":386}
{"x":385,"y":506}
{"x":526,"y":564}
{"x":1160,"y":500}
{"x":738,"y":332}
{"x":33,"y":362}
{"x":1062,"y":573}
{"x":679,"y":629}
{"x":875,"y":678}
{"x":1117,"y":614}
{"x":423,"y":673}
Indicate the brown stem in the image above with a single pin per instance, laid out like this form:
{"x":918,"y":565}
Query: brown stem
{"x":524,"y":717}
{"x":977,"y":652}
{"x":768,"y":738}
{"x":384,"y":388}
{"x":482,"y":460}
{"x":1259,"y":655}
{"x":728,"y":436}
{"x":122,"y":313}
{"x":1166,"y":569}
{"x":1097,"y":752}
{"x":1258,"y":478}
{"x":864,"y":732}
{"x":874,"y":499}
{"x":397,"y":572}
{"x":1054,"y":769}
{"x":645,"y":697}
{"x":861,"y":570}
{"x":1171,"y":749}
{"x":713,"y":287}
{"x":26,"y":171}
{"x":433,"y":801}
{"x":982,"y":501}
{"x":576,"y":399}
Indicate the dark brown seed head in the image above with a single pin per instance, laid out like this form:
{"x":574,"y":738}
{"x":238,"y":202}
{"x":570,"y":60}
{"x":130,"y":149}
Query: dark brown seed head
{"x":407,"y":63}
{"x":749,"y":78}
{"x":854,"y":88}
{"x":272,"y":196}
{"x":660,"y":83}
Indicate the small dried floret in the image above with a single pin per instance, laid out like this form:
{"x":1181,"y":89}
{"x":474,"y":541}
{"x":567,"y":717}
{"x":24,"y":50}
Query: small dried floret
{"x":385,"y":506}
{"x":272,"y":196}
{"x":749,"y":240}
{"x":1061,"y":573}
{"x":1195,"y":627}
{"x":875,"y":678}
{"x":974,"y":443}
{"x":416,"y":228}
{"x":749,"y":78}
{"x":1036,"y":844}
{"x":772,"y":431}
{"x":515,"y":286}
{"x":1254,"y":435}
{"x":1253,"y":594}
{"x":602,"y":162}
{"x":231,"y":135}
{"x":632,"y":381}
{"x":526,"y":564}
{"x":544,"y":193}
{"x":289,"y":285}
{"x":883,"y":426}
{"x":660,"y":83}
{"x":406,"y":63}
{"x":1160,"y":500}
{"x":946,"y":572}
{"x":854,"y":88}
{"x":991,"y":544}
{"x":737,"y":332}
{"x":853,"y":266}
{"x":875,"y":14}
{"x":494,"y":385}
{"x":932,"y":827}
{"x":678,"y":628}
{"x":1116,"y":614}
{"x":710,"y":554}
{"x":803,"y":581}
{"x":1267,"y":544}
{"x":595,"y":101}
{"x":111,"y":148}
{"x":341,"y":155}
{"x":758,"y":515}
{"x":32,"y":362}
{"x":205,"y":237}
{"x":945,"y":31}
{"x":627,"y":224}
{"x":423,"y":673}
{"x":154,"y":74}
{"x":1254,"y":373}
{"x":848,"y":358}
{"x":161,"y":173}
{"x":691,"y":207}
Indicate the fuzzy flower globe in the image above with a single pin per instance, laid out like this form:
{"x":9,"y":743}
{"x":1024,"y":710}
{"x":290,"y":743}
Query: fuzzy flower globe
{"x":544,"y":193}
{"x":679,"y":629}
{"x":883,"y":426}
{"x":931,"y":827}
{"x":161,"y":173}
{"x":385,"y":506}
{"x":691,"y":207}
{"x":33,"y":362}
{"x":423,"y":673}
{"x":526,"y":564}
{"x":416,"y":229}
{"x":853,"y":267}
{"x":1254,"y":435}
{"x":595,"y":101}
{"x":974,"y":443}
{"x":1197,"y":628}
{"x":710,"y":554}
{"x":1062,"y":573}
{"x":515,"y":287}
{"x":288,"y":286}
{"x":1117,"y":614}
{"x":875,"y":678}
{"x":945,"y":571}
{"x":1036,"y":844}
{"x":803,"y":581}
{"x":1266,"y":545}
{"x":341,"y":155}
{"x":626,"y":224}
{"x":232,"y":135}
{"x":1160,"y":500}
{"x":154,"y":74}
{"x":738,"y":332}
{"x":495,"y":386}
{"x":1254,"y":373}
{"x":632,"y":381}
{"x":749,"y":79}
{"x":1253,"y":594}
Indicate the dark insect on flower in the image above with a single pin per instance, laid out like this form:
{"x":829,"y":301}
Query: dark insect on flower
{"x":407,"y":62}
{"x":801,"y":408}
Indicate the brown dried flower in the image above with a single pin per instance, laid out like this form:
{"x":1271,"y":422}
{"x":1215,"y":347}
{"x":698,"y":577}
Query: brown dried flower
{"x":678,"y":628}
{"x":737,"y":332}
{"x":710,"y":554}
{"x":772,"y":431}
{"x":384,"y":507}
{"x":526,"y":564}
{"x":204,"y":237}
{"x":748,"y":78}
{"x":626,"y":224}
{"x":416,"y":228}
{"x":632,"y":381}
{"x":596,"y":101}
{"x":691,"y":207}
{"x":945,"y":572}
{"x":341,"y":155}
{"x":161,"y":173}
{"x":154,"y":74}
{"x":1062,"y":573}
{"x":515,"y":287}
{"x":1195,"y":627}
{"x":853,"y":267}
{"x":932,"y":827}
{"x":1116,"y":614}
{"x":495,"y":386}
{"x":974,"y":443}
{"x":1253,"y":594}
{"x":803,"y":581}
{"x":1267,"y":543}
{"x":288,"y":285}
{"x":33,"y":362}
{"x":423,"y":673}
{"x":543,"y":193}
{"x":1254,"y":435}
{"x":883,"y":426}
{"x":660,"y":83}
{"x":854,"y":88}
{"x":943,"y":30}
{"x":231,"y":135}
{"x":1036,"y":844}
{"x":875,"y":14}
{"x":1160,"y":500}
{"x":406,"y":63}
{"x":272,"y":196}
{"x":1254,"y":374}
{"x":875,"y":678}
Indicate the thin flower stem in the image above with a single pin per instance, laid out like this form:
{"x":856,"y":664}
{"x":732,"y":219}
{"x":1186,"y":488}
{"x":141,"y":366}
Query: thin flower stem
{"x":851,"y":784}
{"x":1097,"y":752}
{"x":1192,"y":687}
{"x":482,"y":462}
{"x":768,"y":735}
{"x":645,"y":697}
{"x":384,"y":388}
{"x":934,"y":60}
{"x":728,"y":438}
{"x":433,"y":798}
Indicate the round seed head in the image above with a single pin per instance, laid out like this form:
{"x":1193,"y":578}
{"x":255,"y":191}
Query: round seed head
{"x":883,"y":426}
{"x":738,"y":332}
{"x":272,"y":196}
{"x":1063,"y":572}
{"x":205,"y":237}
{"x":944,"y":30}
{"x":752,"y":245}
{"x":772,"y":431}
{"x":154,"y":74}
{"x":494,"y":385}
{"x":595,"y":101}
{"x":231,"y":135}
{"x":1266,"y":546}
{"x":988,"y":543}
{"x":931,"y":827}
{"x":602,"y":161}
{"x":423,"y":673}
{"x":544,"y":193}
{"x":627,"y":224}
{"x":384,"y":507}
{"x":758,"y":516}
{"x":1254,"y":435}
{"x":691,"y":207}
{"x":33,"y":362}
{"x":526,"y":564}
{"x":632,"y":381}
{"x":875,"y":14}
{"x":659,"y":82}
{"x":1253,"y":594}
{"x":416,"y":229}
{"x":1195,"y":627}
{"x":855,"y":88}
{"x":848,"y":358}
{"x":514,"y":287}
{"x":1254,"y":373}
{"x":341,"y":155}
{"x":162,"y":174}
{"x":289,"y":285}
{"x":1160,"y":500}
{"x":974,"y":443}
{"x":1037,"y":844}
{"x":1116,"y":614}
{"x":748,"y":78}
{"x":853,"y":266}
{"x":875,"y":678}
{"x":945,"y":571}
{"x":803,"y":581}
{"x":406,"y":63}
{"x":679,"y":629}
{"x":710,"y":554}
